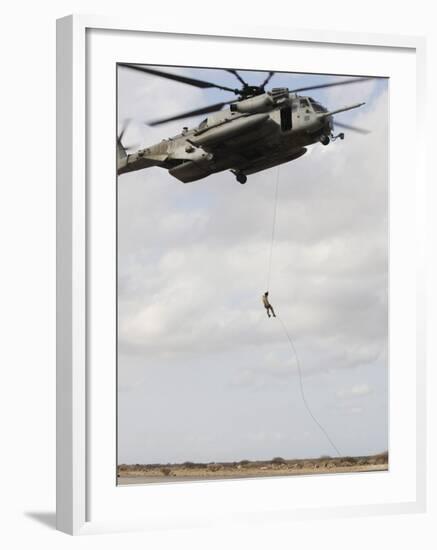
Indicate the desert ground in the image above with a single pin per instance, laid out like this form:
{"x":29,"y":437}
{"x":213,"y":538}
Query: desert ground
{"x":131,"y":474}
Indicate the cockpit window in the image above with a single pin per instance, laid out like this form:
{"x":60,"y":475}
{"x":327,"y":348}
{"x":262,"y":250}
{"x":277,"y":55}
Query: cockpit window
{"x":304,"y":103}
{"x":204,"y":123}
{"x":317,"y":107}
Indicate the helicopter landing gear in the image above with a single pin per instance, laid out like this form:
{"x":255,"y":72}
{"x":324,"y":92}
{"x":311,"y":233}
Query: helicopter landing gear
{"x":341,"y":136}
{"x":324,"y":140}
{"x":241,"y":178}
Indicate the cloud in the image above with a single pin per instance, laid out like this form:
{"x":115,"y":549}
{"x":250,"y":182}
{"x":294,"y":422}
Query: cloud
{"x":358,"y":390}
{"x":270,"y":369}
{"x":193,"y":259}
{"x":361,"y":389}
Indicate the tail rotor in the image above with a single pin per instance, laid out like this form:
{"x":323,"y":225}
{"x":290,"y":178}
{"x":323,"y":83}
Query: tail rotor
{"x":122,"y":149}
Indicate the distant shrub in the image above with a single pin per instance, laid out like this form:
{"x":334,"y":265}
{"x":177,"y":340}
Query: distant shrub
{"x":278,"y":460}
{"x":166,"y":471}
{"x":189,"y":465}
{"x":350,"y":459}
{"x":244,"y":462}
{"x":381,"y":458}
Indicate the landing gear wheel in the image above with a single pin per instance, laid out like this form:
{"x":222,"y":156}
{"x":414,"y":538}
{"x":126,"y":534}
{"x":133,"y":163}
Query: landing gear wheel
{"x":324,"y":140}
{"x":241,"y":178}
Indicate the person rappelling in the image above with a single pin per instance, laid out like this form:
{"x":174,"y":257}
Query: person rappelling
{"x":267,"y":304}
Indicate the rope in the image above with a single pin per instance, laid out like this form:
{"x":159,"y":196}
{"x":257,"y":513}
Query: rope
{"x":302,"y":390}
{"x":275,"y":207}
{"x":284,"y":328}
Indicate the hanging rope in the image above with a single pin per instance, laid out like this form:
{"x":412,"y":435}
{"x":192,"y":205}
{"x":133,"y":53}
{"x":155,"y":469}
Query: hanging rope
{"x":275,"y":207}
{"x":302,"y":391}
{"x":284,"y":328}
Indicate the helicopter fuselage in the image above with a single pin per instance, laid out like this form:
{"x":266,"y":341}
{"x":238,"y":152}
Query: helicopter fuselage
{"x":251,"y":135}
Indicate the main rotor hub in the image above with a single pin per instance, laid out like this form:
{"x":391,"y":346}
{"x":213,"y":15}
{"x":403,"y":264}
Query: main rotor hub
{"x":250,"y":91}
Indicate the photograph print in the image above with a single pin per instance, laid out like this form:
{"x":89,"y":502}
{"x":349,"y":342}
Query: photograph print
{"x":252,"y":273}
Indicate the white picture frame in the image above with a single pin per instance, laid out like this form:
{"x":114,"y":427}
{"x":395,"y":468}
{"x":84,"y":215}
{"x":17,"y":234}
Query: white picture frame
{"x":78,"y":489}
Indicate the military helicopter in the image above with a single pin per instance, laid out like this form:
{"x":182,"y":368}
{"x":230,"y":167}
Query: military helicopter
{"x":258,"y":130}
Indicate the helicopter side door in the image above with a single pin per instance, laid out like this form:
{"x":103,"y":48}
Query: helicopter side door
{"x":286,"y":119}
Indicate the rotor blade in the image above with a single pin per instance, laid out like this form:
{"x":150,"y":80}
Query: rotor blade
{"x":331,"y":84}
{"x":269,"y":76}
{"x":177,"y":77}
{"x":131,"y":146}
{"x":342,"y":109}
{"x":352,"y":128}
{"x":201,"y":111}
{"x":240,"y":78}
{"x":124,"y":126}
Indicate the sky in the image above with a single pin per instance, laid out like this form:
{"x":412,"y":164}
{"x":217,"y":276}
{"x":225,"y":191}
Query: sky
{"x":203,"y":374}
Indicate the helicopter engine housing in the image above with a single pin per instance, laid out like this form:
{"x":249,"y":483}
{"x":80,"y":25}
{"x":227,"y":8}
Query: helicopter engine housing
{"x":262,"y":103}
{"x":257,"y":104}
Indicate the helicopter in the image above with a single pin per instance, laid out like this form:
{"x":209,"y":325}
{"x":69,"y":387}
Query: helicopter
{"x":257,"y":130}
